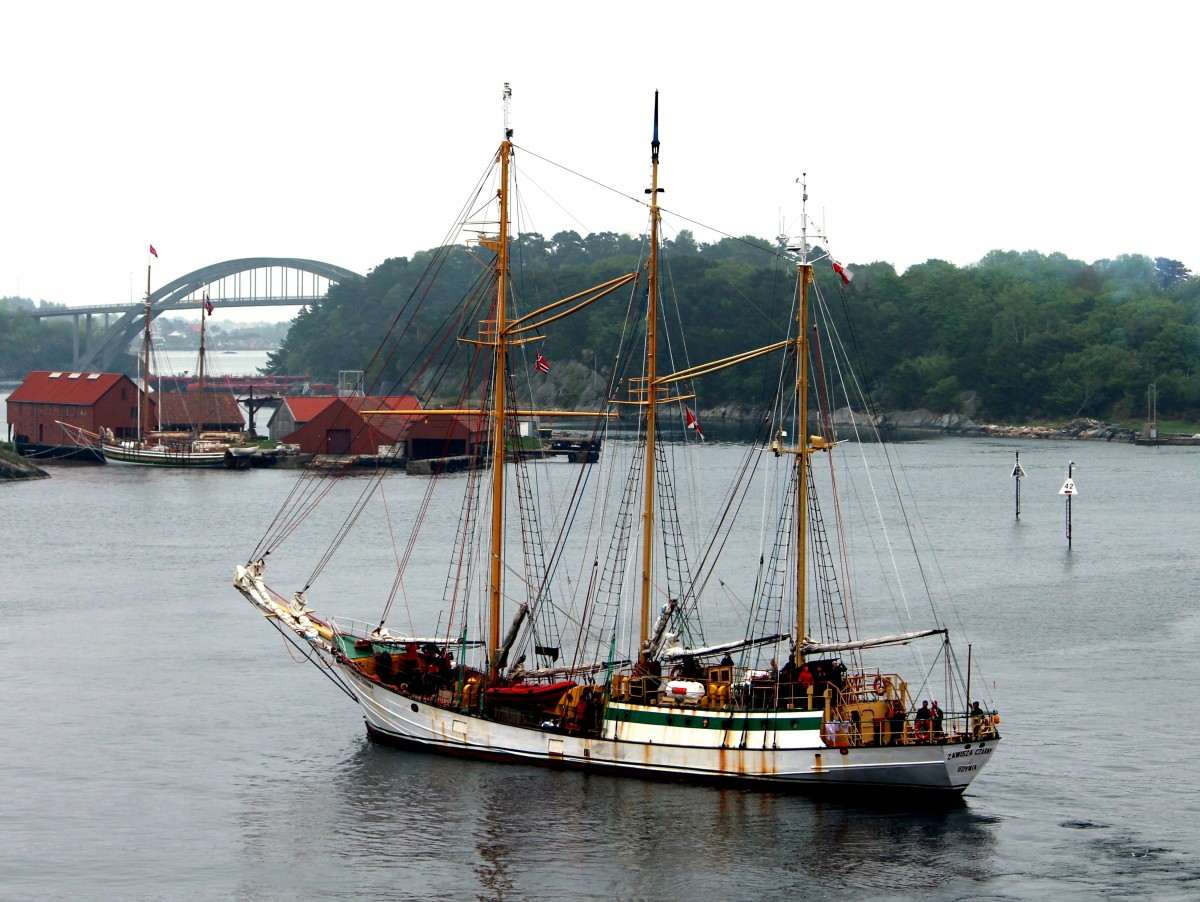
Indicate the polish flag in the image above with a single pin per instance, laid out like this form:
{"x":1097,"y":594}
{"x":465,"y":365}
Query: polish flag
{"x":842,"y":271}
{"x":153,"y":251}
{"x":542,"y":364}
{"x":692,"y":423}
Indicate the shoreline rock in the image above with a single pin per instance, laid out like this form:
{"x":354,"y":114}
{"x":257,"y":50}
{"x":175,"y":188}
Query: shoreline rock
{"x":14,"y":467}
{"x":921,"y":420}
{"x":1083,"y":428}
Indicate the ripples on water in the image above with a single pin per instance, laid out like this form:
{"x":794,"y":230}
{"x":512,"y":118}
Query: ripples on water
{"x":157,"y":742}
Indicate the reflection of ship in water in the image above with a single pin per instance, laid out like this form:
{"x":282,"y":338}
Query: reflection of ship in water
{"x":747,"y":845}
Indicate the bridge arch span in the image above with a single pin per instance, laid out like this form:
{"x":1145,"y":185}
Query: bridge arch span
{"x":172,"y":294}
{"x":179,"y":292}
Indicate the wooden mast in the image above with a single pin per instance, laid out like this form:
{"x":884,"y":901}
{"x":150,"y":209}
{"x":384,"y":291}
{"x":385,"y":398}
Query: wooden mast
{"x":651,"y":395}
{"x":499,"y":401}
{"x":200,"y":365}
{"x":144,"y":397}
{"x":804,"y":274}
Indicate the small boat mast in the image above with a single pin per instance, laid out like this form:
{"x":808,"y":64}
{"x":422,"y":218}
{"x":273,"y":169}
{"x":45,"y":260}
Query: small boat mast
{"x":144,"y":395}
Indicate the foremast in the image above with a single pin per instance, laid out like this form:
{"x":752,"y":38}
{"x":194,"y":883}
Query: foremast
{"x":499,"y":401}
{"x":200,"y":363}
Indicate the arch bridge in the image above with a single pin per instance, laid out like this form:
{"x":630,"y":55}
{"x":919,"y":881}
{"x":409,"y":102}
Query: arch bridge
{"x":248,"y":282}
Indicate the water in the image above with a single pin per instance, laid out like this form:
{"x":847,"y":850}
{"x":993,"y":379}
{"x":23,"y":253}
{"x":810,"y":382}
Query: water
{"x":217,"y":363}
{"x":156,"y":740}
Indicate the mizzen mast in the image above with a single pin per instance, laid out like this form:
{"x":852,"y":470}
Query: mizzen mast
{"x":804,"y":274}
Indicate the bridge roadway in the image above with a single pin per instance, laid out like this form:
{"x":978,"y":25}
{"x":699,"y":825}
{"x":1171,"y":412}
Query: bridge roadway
{"x":183,"y":293}
{"x":109,"y":309}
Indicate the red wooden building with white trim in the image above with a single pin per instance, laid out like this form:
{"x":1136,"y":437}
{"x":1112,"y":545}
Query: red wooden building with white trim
{"x":91,"y":401}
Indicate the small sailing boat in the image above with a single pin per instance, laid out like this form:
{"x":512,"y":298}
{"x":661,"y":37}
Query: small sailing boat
{"x":574,"y":630}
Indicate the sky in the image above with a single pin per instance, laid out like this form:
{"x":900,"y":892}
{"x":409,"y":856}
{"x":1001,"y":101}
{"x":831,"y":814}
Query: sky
{"x":350,"y":132}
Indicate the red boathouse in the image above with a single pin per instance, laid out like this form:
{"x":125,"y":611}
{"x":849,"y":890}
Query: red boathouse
{"x":91,"y":401}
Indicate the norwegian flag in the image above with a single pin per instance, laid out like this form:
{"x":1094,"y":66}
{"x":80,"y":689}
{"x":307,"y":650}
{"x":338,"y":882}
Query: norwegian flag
{"x":693,"y":423}
{"x":846,"y":274}
{"x":542,"y":364}
{"x":208,"y":307}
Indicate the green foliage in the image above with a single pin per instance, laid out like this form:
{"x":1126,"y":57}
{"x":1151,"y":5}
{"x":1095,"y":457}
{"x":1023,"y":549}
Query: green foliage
{"x":28,"y":344}
{"x":1028,"y":335}
{"x":1170,"y":272}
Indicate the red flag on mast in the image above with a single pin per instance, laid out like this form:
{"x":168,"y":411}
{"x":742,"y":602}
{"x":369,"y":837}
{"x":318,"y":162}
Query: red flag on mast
{"x":208,"y":307}
{"x":693,"y":423}
{"x":842,"y":271}
{"x":153,"y":252}
{"x":542,"y":364}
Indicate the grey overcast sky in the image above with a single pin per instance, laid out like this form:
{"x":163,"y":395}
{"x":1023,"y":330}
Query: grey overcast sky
{"x":352,"y":131}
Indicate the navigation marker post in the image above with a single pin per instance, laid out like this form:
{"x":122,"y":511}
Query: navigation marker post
{"x":1017,"y":473}
{"x":1070,"y":491}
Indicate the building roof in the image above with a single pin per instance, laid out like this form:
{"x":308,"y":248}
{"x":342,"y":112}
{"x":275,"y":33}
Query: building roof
{"x":366,"y":431}
{"x":60,"y":387}
{"x":183,"y":408}
{"x":304,"y":409}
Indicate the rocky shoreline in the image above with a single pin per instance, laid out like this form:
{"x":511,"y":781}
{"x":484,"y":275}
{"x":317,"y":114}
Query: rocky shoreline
{"x":1082,"y":428}
{"x":13,"y":466}
{"x":908,"y":421}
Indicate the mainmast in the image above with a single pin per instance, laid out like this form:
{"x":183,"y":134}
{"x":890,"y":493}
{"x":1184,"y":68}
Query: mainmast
{"x":144,"y":397}
{"x":804,"y":274}
{"x":651,"y":393}
{"x":499,"y":398}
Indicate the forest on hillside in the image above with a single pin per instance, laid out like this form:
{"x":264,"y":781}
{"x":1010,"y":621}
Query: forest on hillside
{"x":1017,"y":336}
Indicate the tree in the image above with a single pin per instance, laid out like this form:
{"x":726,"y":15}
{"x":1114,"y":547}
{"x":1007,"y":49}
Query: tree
{"x":1170,"y":272}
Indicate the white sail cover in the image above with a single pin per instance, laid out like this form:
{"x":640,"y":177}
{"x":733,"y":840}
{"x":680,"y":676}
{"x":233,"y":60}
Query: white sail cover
{"x":816,"y":648}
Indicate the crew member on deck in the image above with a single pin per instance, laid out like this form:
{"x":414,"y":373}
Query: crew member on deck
{"x":921,"y":723}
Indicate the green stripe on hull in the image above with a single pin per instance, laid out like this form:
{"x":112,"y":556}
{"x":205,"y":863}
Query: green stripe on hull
{"x":717,"y":720}
{"x":181,"y":461}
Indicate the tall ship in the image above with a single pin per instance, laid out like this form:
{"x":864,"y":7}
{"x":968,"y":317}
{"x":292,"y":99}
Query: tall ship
{"x":612,"y":620}
{"x":184,"y":443}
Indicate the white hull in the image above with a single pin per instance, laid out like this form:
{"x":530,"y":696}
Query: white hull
{"x":787,"y":754}
{"x":776,"y":749}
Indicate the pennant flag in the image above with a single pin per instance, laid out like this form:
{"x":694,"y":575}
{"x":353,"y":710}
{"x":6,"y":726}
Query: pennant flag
{"x":842,"y":271}
{"x":693,"y":423}
{"x":153,"y":252}
{"x":208,"y":307}
{"x":542,"y":364}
